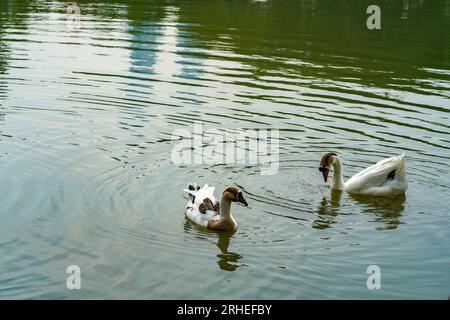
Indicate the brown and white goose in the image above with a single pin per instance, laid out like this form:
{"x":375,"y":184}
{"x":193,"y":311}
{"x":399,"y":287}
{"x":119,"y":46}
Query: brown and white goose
{"x":203,"y":209}
{"x":385,"y":178}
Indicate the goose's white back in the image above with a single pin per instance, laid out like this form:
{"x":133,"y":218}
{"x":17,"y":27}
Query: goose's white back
{"x":373,"y":180}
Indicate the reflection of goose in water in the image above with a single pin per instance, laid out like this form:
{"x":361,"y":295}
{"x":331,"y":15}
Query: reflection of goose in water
{"x":328,"y":211}
{"x":387,"y":210}
{"x":228,"y":260}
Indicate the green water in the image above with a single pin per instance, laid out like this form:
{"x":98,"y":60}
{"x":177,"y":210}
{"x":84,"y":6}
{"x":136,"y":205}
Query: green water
{"x":88,"y":109}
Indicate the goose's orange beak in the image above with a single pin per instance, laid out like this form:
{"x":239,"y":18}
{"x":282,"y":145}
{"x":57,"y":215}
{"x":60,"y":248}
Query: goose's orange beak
{"x":325,"y":172}
{"x":325,"y":175}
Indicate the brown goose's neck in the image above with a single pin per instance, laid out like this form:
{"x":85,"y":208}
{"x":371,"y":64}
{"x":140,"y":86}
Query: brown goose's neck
{"x":225,"y":208}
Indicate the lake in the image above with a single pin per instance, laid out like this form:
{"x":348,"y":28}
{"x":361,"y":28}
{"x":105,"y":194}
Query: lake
{"x":90,"y":102}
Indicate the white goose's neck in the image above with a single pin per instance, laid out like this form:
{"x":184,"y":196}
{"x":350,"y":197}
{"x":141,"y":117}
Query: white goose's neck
{"x":338,"y":176}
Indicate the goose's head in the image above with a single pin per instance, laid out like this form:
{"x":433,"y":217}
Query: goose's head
{"x":234,"y":195}
{"x":325,"y":163}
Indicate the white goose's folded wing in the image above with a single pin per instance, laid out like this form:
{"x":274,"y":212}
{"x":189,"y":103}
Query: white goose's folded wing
{"x":388,"y":174}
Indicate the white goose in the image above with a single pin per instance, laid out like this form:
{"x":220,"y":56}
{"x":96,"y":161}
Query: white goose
{"x":203,"y":209}
{"x":385,"y":178}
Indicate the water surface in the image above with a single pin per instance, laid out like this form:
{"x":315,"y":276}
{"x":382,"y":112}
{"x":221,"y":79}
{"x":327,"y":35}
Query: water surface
{"x":87,"y":111}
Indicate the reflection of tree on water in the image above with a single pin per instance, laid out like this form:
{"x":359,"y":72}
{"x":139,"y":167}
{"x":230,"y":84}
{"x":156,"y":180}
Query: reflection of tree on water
{"x":252,"y":29}
{"x":145,"y":30}
{"x":152,"y":35}
{"x":410,"y":7}
{"x":193,"y":54}
{"x":12,"y":15}
{"x":143,"y":55}
{"x":4,"y":51}
{"x":405,"y":9}
{"x":192,"y":59}
{"x":387,"y":211}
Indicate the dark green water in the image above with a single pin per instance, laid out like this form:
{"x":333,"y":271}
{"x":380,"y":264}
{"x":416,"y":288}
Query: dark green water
{"x":87,"y":111}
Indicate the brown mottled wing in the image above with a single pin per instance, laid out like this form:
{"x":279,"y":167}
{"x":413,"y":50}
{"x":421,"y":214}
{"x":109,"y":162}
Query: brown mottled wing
{"x":208,"y":205}
{"x":217,"y":207}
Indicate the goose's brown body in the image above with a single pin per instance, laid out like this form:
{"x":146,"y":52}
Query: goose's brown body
{"x":203,"y":208}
